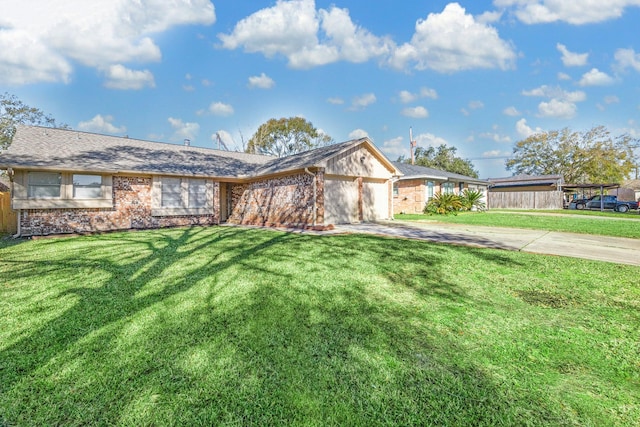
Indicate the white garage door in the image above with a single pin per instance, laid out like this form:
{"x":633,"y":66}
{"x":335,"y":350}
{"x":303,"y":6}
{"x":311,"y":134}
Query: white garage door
{"x":375,"y":201}
{"x":340,"y":201}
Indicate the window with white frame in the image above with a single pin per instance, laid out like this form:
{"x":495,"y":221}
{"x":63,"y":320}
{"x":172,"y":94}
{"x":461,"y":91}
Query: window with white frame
{"x":171,"y":193}
{"x":395,"y":189}
{"x":87,"y":186}
{"x":61,"y":190}
{"x":45,"y":185}
{"x":430,"y":187}
{"x":448,"y":187}
{"x":181,"y":196}
{"x":197,"y":193}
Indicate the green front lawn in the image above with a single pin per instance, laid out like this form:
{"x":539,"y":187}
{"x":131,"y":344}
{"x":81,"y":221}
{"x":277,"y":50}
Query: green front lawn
{"x":231,"y":326}
{"x":619,"y":225}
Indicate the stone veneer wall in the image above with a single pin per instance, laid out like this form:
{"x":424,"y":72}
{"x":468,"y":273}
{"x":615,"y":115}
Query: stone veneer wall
{"x":131,"y":209}
{"x":285,"y":201}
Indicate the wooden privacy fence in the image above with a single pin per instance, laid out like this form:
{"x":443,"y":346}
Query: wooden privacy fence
{"x":526,"y":200}
{"x":8,"y":217}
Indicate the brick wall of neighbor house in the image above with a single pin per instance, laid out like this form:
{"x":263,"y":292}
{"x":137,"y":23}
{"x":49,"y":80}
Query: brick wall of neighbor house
{"x":411,"y":196}
{"x":131,"y":209}
{"x":284,"y":201}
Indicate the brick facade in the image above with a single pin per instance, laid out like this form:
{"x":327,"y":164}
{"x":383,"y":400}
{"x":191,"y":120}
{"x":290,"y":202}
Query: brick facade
{"x":131,"y":209}
{"x":411,"y":196}
{"x":284,"y":201}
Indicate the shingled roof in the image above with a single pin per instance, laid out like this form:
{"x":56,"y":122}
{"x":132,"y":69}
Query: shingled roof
{"x":49,"y":148}
{"x":415,"y":171}
{"x":36,"y":147}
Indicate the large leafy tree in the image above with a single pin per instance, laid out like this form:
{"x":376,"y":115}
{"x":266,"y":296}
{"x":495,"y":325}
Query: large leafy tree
{"x":443,"y":158}
{"x":286,"y":136}
{"x":14,"y":112}
{"x":593,"y":156}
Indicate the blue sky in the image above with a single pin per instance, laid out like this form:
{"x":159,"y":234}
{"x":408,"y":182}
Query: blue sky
{"x":476,"y":75}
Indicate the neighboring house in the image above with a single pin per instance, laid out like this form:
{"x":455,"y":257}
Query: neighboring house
{"x":629,"y":190}
{"x":65,"y":181}
{"x":418,"y":184}
{"x":527,"y":192}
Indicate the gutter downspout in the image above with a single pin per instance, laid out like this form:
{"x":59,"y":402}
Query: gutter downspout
{"x":315,"y":195}
{"x":393,"y":208}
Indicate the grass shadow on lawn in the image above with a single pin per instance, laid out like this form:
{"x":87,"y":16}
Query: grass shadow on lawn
{"x":227,"y":325}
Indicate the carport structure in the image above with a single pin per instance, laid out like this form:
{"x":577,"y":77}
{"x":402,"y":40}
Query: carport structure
{"x":575,"y":191}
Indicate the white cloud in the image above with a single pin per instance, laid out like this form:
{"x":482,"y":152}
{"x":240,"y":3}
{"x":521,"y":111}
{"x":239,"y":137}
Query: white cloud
{"x":426,"y":92}
{"x":627,"y":58}
{"x":261,"y":82}
{"x":418,"y":112}
{"x":220,"y":109}
{"x":476,"y":105}
{"x":495,"y":154}
{"x":489,"y":17}
{"x":120,"y":77}
{"x":363,"y":101}
{"x":396,"y":147}
{"x":557,"y":108}
{"x":454,"y":41}
{"x":407,"y":97}
{"x":40,"y":42}
{"x":306,"y":37}
{"x":596,"y":77}
{"x":358,"y":133}
{"x":524,"y":130}
{"x":183,"y":130}
{"x":101,"y":124}
{"x":335,"y":101}
{"x":563,"y":76}
{"x":495,"y":137}
{"x":571,"y":59}
{"x":26,"y":59}
{"x":556,"y":92}
{"x":611,"y":99}
{"x":511,"y":111}
{"x":574,"y":12}
{"x":429,"y":139}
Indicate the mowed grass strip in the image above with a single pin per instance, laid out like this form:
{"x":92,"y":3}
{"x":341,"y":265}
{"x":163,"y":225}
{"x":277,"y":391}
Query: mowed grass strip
{"x":232,"y":326}
{"x":615,"y":225}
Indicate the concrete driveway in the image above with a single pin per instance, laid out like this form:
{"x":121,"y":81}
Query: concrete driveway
{"x":602,"y":248}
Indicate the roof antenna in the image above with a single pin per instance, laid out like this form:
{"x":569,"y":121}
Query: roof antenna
{"x":221,"y":142}
{"x":412,"y":144}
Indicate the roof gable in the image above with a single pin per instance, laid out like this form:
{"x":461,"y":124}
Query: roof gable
{"x":321,"y":157}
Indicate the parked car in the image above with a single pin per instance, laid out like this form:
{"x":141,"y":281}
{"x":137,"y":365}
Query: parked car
{"x":579,"y":203}
{"x":609,"y":202}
